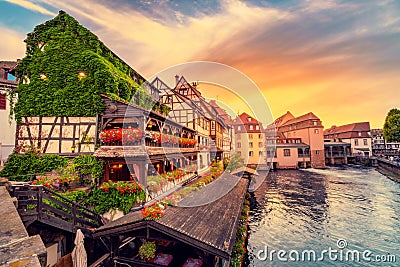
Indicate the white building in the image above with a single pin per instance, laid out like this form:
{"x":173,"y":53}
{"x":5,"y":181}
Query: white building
{"x":357,"y":134}
{"x":7,"y":126}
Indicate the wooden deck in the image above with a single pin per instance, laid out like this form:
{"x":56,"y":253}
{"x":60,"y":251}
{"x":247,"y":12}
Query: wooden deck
{"x":211,"y":227}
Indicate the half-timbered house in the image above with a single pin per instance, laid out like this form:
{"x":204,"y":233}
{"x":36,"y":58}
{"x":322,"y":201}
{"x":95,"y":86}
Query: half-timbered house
{"x":137,"y":143}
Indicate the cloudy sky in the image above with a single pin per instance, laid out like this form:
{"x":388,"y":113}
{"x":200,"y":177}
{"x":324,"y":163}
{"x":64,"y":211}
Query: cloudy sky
{"x":338,"y":59}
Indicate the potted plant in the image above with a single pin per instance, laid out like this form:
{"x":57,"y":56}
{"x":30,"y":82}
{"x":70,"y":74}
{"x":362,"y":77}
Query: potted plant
{"x":147,"y":251}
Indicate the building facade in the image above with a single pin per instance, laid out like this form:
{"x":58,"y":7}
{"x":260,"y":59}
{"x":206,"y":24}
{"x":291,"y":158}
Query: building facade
{"x":380,"y":147}
{"x":250,"y":140}
{"x":358,"y":135}
{"x":304,"y":133}
{"x":7,"y":134}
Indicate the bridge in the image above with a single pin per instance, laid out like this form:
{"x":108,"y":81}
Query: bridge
{"x":38,"y":203}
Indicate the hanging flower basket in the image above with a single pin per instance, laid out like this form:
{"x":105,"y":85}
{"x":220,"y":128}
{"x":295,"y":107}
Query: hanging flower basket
{"x":128,"y":136}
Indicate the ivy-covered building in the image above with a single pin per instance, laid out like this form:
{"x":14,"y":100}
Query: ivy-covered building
{"x":65,"y":70}
{"x":61,"y":79}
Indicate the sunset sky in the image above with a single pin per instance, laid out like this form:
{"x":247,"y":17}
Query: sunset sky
{"x":338,"y":59}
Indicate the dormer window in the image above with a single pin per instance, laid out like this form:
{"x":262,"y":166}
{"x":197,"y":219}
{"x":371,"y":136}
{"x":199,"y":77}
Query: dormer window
{"x":183,"y":91}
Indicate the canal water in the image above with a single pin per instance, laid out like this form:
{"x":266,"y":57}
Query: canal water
{"x":347,"y":216}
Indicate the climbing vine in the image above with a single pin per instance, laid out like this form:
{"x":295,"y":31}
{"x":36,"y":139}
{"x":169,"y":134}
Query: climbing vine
{"x":65,"y":70}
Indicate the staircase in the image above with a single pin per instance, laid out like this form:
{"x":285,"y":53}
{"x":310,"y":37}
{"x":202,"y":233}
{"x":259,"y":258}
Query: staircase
{"x":38,"y":203}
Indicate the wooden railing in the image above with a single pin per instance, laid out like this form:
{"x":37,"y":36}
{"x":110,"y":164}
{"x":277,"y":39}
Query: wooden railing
{"x":38,"y":203}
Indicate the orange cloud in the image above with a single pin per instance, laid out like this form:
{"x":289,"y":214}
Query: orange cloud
{"x":339,"y":60}
{"x":12,"y":45}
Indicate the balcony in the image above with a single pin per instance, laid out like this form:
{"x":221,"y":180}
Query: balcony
{"x":134,"y":137}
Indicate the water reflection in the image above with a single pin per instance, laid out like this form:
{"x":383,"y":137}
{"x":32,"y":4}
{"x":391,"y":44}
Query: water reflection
{"x":312,"y":209}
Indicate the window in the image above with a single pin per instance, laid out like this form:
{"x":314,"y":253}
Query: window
{"x":356,"y":142}
{"x":251,"y":153}
{"x":212,"y":125}
{"x":239,"y":145}
{"x":365,"y":142}
{"x":251,"y":144}
{"x":251,"y":127}
{"x":315,"y":123}
{"x":239,"y":153}
{"x":359,"y":133}
{"x":260,"y":153}
{"x":250,"y":136}
{"x":259,"y":136}
{"x":286,"y":152}
{"x":257,"y":127}
{"x":260,"y":144}
{"x":271,"y":153}
{"x":249,"y":119}
{"x":317,"y":152}
{"x":316,"y":131}
{"x":2,"y":101}
{"x":239,"y":128}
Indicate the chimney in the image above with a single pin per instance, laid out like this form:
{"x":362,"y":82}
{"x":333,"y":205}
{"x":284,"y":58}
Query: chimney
{"x":176,"y":79}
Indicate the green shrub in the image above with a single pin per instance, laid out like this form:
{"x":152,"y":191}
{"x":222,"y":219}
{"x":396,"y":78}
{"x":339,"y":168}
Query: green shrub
{"x":18,"y":166}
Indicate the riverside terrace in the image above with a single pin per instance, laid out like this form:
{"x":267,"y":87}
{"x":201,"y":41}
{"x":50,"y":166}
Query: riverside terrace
{"x":136,"y":143}
{"x":203,"y":234}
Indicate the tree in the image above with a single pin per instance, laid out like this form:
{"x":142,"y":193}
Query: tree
{"x":234,"y":162}
{"x":391,"y":128}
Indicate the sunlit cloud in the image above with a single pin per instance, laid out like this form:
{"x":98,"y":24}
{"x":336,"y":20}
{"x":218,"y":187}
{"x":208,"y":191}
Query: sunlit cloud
{"x":12,"y":46}
{"x":335,"y":58}
{"x":32,"y":6}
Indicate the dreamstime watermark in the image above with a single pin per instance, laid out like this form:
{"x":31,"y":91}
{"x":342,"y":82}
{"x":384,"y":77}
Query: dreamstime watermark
{"x":339,"y":253}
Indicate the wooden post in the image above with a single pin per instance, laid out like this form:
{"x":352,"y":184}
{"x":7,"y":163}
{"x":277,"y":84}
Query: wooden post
{"x":39,"y":202}
{"x":74,"y":217}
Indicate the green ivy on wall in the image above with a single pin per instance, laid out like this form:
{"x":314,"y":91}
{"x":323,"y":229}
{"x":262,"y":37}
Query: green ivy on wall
{"x":65,"y":70}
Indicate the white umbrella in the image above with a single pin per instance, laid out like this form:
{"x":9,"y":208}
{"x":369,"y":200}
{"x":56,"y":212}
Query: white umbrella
{"x":79,"y":257}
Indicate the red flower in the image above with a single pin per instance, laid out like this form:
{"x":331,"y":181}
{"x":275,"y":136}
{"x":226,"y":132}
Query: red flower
{"x":126,"y":136}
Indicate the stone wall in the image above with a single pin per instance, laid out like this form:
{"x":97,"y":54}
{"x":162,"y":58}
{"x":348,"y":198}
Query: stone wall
{"x":389,"y":168}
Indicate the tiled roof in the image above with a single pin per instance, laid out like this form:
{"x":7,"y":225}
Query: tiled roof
{"x":8,"y":64}
{"x":353,"y":127}
{"x":305,"y":117}
{"x":284,"y":118}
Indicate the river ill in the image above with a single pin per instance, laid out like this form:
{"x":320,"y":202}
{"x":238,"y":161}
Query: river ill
{"x":348,"y":216}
